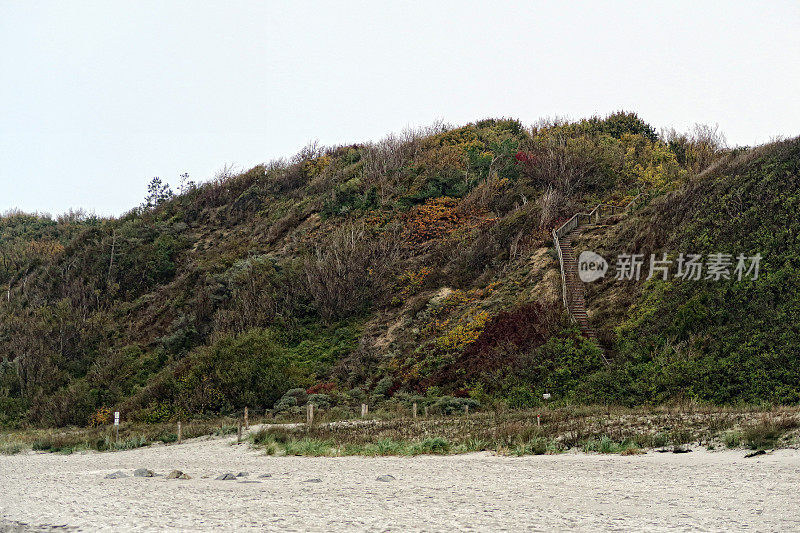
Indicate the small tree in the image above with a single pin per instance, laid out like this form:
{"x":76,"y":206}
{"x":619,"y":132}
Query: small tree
{"x":157,"y":193}
{"x":186,"y":184}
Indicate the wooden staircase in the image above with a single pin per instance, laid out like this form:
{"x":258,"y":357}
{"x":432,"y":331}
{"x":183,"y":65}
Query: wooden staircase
{"x":576,"y":297}
{"x":573,"y":292}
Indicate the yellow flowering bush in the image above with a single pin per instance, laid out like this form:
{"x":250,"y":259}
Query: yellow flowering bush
{"x":463,"y":334}
{"x":101,"y":417}
{"x":314,"y":167}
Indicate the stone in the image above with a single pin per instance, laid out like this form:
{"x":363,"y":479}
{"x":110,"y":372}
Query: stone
{"x":262,"y":476}
{"x":243,"y":474}
{"x":313,"y":480}
{"x":678,"y":449}
{"x":143,"y":472}
{"x":225,"y":477}
{"x":386,"y":479}
{"x":116,"y":475}
{"x":755,"y":454}
{"x":177,"y":474}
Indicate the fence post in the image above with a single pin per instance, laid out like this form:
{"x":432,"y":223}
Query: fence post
{"x":466,"y":409}
{"x":180,"y":434}
{"x":415,"y":409}
{"x":310,"y":414}
{"x":425,"y":411}
{"x":239,"y":433}
{"x":246,"y":420}
{"x":364,"y":410}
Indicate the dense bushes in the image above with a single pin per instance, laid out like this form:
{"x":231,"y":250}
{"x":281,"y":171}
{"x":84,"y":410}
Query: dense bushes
{"x":251,"y":369}
{"x":728,"y":340}
{"x":410,"y":265}
{"x":348,"y":270}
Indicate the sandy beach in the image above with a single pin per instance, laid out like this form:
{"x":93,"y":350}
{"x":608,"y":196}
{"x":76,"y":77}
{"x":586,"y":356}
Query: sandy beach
{"x":702,"y":490}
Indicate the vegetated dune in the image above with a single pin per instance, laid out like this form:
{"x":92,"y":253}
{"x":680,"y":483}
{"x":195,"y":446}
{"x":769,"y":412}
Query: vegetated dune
{"x":412,"y":269}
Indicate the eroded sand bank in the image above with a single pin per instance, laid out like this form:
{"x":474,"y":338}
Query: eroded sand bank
{"x":701,"y":490}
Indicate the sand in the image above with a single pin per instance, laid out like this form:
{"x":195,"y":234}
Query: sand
{"x":702,"y":490}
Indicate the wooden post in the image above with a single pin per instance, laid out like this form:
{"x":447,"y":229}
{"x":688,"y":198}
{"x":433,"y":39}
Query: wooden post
{"x":239,"y":433}
{"x":364,"y":410}
{"x":466,"y":409}
{"x":116,"y":433}
{"x":415,"y":409}
{"x":538,"y":421}
{"x":246,"y":420}
{"x":180,"y":434}
{"x":425,"y":411}
{"x":310,"y":414}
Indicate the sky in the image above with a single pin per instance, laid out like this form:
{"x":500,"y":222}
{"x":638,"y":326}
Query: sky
{"x":96,"y":98}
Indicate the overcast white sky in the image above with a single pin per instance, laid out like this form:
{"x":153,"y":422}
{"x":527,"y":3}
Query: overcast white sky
{"x":96,"y":98}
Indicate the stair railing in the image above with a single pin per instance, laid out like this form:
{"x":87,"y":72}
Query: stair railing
{"x":579,"y":219}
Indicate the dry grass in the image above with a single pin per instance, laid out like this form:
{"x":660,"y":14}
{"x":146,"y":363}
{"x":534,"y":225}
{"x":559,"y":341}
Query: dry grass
{"x":594,"y":429}
{"x":131,"y":435}
{"x":591,"y":429}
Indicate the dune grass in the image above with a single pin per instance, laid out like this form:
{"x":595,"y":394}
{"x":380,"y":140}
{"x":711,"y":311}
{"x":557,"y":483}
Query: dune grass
{"x":596,"y":429}
{"x":591,"y":429}
{"x":131,"y":435}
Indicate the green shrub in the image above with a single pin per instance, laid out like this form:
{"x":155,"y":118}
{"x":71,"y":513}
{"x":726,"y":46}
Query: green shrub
{"x":521,"y":397}
{"x":604,"y":445}
{"x":732,"y":439}
{"x":7,"y":448}
{"x":167,"y":438}
{"x":41,"y":445}
{"x":323,"y":401}
{"x":536,"y":446}
{"x":226,"y":429}
{"x":448,"y":405}
{"x":383,"y":386}
{"x":250,"y":369}
{"x":765,"y":434}
{"x":433,"y":445}
{"x":285,"y":403}
{"x":309,"y":447}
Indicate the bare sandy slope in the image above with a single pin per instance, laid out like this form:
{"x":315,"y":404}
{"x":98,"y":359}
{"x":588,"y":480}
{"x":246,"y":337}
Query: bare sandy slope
{"x":694,"y":491}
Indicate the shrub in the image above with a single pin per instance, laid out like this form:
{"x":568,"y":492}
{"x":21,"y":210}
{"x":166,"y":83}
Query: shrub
{"x":347,"y":271}
{"x":250,"y":369}
{"x":448,"y":405}
{"x":101,"y":417}
{"x":732,"y":439}
{"x":433,"y":445}
{"x":7,"y":448}
{"x":521,"y":397}
{"x":356,"y":395}
{"x":603,"y":445}
{"x":766,"y":433}
{"x":322,"y":401}
{"x":383,"y":386}
{"x":300,"y":396}
{"x":536,"y":446}
{"x":309,"y":447}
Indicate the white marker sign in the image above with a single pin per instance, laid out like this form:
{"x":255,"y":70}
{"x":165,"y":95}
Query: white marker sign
{"x":116,"y":418}
{"x":546,"y":395}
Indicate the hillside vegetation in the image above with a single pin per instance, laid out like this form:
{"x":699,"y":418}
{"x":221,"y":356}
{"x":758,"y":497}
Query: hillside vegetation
{"x":418,"y":268}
